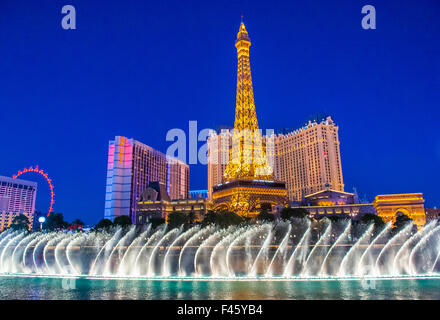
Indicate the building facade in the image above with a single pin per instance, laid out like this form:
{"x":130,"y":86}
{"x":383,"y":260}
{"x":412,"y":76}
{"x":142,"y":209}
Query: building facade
{"x":178,"y":177}
{"x":156,"y":203}
{"x":219,"y":147}
{"x":328,"y":203}
{"x":131,"y":166}
{"x":432,"y":214}
{"x":308,"y":160}
{"x":16,"y":197}
{"x":389,"y":206}
{"x":198,"y":194}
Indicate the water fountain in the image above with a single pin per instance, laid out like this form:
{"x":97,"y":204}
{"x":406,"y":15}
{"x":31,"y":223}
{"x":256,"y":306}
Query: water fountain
{"x":297,"y":250}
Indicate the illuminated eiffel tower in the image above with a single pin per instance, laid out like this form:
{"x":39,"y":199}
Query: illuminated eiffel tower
{"x":248,"y":180}
{"x":248,"y":158}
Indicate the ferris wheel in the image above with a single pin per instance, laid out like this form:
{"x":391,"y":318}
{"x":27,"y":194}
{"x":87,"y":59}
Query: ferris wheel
{"x":44,"y":174}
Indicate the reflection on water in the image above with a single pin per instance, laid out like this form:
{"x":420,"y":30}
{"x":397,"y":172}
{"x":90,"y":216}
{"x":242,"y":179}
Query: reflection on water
{"x":86,"y":289}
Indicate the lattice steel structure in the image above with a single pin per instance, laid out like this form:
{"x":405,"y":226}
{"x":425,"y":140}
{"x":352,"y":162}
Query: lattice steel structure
{"x":248,"y":158}
{"x":248,"y":184}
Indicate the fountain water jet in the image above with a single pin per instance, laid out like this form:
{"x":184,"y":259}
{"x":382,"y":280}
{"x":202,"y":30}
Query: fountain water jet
{"x":285,"y":250}
{"x":337,"y":242}
{"x":281,"y":248}
{"x":301,"y":248}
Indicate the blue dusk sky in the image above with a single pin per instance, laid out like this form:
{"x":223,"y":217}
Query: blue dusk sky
{"x":140,"y":68}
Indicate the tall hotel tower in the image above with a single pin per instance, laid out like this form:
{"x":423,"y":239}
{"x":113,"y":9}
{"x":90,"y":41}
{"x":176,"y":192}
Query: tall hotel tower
{"x":308,"y":159}
{"x":219,"y":147}
{"x":132,"y":165}
{"x":16,"y":197}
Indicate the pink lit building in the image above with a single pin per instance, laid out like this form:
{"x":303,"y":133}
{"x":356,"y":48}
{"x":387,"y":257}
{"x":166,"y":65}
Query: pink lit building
{"x":16,"y":197}
{"x":131,"y":166}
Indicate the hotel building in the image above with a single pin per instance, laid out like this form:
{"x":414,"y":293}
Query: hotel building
{"x":328,"y":203}
{"x":219,"y":147}
{"x":308,"y":160}
{"x":16,"y":197}
{"x":131,"y":166}
{"x":156,"y":203}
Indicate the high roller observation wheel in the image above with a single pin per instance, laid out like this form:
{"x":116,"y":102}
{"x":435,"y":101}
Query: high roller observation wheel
{"x":44,"y":174}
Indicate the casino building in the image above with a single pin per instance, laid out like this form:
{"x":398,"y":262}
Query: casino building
{"x":328,"y":202}
{"x":131,"y":166}
{"x":156,"y":203}
{"x":16,"y":197}
{"x":308,"y":159}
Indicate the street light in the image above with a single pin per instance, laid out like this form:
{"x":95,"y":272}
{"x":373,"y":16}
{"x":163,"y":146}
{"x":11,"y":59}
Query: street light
{"x":41,"y":220}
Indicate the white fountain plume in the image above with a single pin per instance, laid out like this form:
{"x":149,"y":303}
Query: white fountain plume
{"x":151,"y":241}
{"x":418,"y":246}
{"x":244,"y":235}
{"x":39,"y":244}
{"x":95,"y":268}
{"x":4,"y":234}
{"x":216,"y":263}
{"x":263,"y":251}
{"x":74,"y":242}
{"x":401,"y":260}
{"x":301,"y":248}
{"x":6,"y":255}
{"x":130,"y":254}
{"x":387,"y":249}
{"x":206,"y":244}
{"x":108,"y":264}
{"x":280,"y":250}
{"x":18,"y":252}
{"x":435,"y":262}
{"x":30,"y":245}
{"x":60,"y":253}
{"x":166,"y":268}
{"x":13,"y":237}
{"x":198,"y":237}
{"x":341,"y":238}
{"x":361,"y":269}
{"x":52,"y":243}
{"x":323,"y":241}
{"x":245,"y":252}
{"x":171,"y":235}
{"x":351,"y":255}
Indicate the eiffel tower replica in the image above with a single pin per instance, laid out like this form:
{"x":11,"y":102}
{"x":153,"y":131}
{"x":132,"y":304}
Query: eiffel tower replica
{"x":248,"y":185}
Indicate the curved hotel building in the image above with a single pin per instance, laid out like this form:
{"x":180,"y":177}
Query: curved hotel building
{"x":131,"y":167}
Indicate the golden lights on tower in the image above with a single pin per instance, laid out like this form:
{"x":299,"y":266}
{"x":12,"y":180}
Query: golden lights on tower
{"x":248,"y":184}
{"x":248,"y":155}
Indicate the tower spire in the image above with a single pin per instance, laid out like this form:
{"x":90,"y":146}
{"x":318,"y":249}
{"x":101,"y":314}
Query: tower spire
{"x":247,"y":159}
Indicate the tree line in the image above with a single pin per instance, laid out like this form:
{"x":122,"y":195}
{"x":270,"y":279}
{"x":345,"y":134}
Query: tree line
{"x":223,"y":219}
{"x":226,"y":219}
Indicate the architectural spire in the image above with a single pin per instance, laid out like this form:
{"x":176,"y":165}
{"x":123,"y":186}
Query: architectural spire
{"x":247,"y":160}
{"x":245,"y":115}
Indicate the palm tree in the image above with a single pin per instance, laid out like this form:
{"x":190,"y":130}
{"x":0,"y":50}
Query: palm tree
{"x":20,"y":222}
